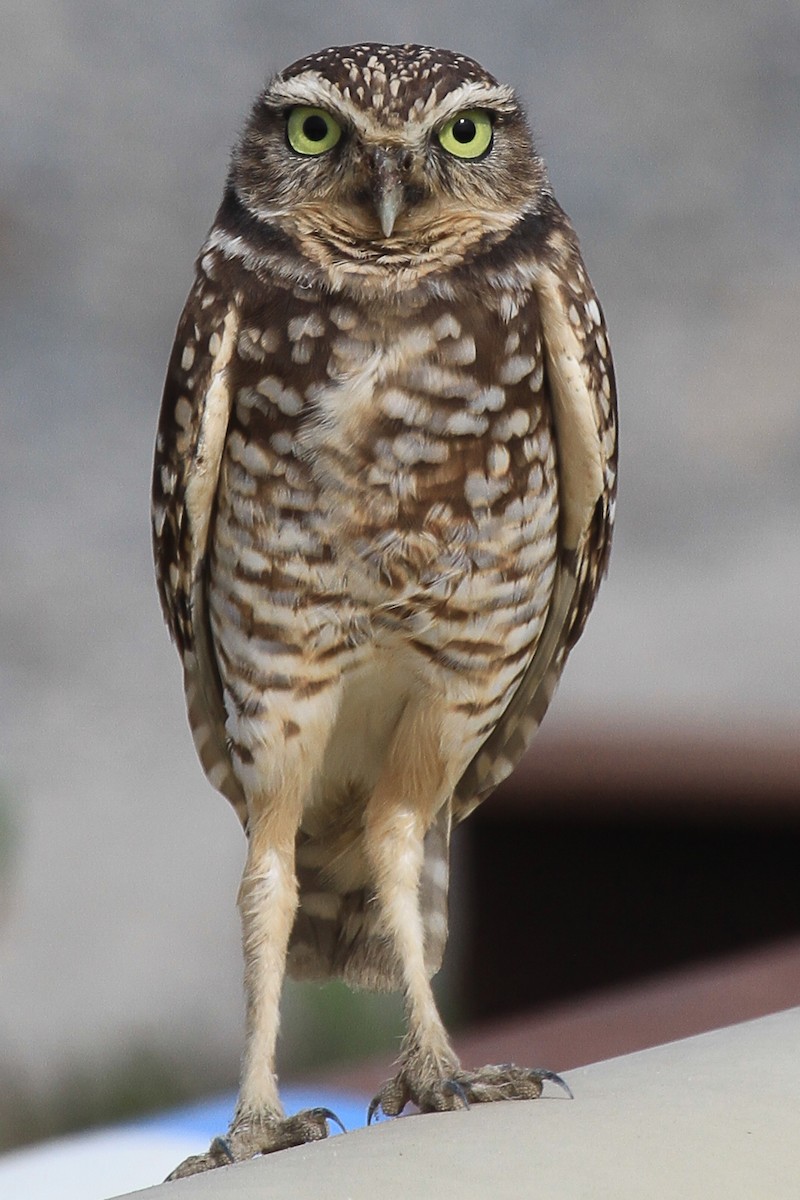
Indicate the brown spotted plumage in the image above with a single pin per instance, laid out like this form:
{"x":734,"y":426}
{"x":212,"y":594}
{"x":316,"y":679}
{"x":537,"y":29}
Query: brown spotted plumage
{"x":382,"y":505}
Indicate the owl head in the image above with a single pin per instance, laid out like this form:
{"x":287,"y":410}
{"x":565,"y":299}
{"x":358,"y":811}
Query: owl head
{"x":379,"y":152}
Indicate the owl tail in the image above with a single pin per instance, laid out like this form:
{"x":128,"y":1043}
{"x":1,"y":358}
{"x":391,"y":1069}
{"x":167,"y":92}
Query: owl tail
{"x":338,"y":934}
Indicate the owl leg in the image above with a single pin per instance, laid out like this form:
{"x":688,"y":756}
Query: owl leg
{"x":411,"y":789}
{"x":400,"y":812}
{"x":268,"y":898}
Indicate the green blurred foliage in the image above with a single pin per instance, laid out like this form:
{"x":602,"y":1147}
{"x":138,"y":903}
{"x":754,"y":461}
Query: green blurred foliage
{"x":328,"y":1023}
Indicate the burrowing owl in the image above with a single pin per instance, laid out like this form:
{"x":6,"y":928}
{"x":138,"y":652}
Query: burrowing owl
{"x":382,"y":505}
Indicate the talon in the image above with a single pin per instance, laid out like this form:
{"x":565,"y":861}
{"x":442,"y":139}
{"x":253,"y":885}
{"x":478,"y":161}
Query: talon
{"x":374,"y":1106}
{"x":328,"y":1116}
{"x":552,"y":1077}
{"x":455,"y":1089}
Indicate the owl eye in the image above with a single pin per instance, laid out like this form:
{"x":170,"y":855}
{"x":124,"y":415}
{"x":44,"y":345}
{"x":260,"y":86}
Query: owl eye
{"x":312,"y":130}
{"x":468,"y":134}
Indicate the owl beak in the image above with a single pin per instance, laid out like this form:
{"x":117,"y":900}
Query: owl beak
{"x":387,"y":189}
{"x":388,"y":203}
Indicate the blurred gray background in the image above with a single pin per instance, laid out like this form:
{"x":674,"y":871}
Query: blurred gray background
{"x":672,"y":136}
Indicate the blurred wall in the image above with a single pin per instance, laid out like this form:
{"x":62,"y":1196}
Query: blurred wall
{"x":671,"y":136}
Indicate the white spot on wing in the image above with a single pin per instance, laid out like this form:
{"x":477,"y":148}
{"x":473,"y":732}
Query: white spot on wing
{"x":509,"y":307}
{"x":411,"y":448}
{"x":301,"y":351}
{"x":491,"y":399}
{"x":159,"y":518}
{"x":446,"y":326}
{"x":498,"y":460}
{"x":513,"y":424}
{"x":286,"y":399}
{"x":536,"y":377}
{"x":400,"y":406}
{"x":515,"y":369}
{"x":169,"y":477}
{"x":344,"y":318}
{"x":465,"y":423}
{"x":481,"y":491}
{"x":311,"y":326}
{"x":183,"y":412}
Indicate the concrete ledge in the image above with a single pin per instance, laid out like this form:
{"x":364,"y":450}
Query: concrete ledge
{"x":713,"y":1117}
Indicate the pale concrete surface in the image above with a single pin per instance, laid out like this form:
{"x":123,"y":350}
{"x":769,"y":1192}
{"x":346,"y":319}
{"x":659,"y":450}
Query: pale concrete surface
{"x":710,"y":1118}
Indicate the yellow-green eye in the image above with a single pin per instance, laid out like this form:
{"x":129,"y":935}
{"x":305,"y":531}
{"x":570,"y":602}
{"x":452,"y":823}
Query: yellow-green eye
{"x":312,"y":130}
{"x":467,"y":135}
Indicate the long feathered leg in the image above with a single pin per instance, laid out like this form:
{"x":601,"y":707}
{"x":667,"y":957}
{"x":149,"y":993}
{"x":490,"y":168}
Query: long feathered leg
{"x":414,"y":785}
{"x":268,"y":898}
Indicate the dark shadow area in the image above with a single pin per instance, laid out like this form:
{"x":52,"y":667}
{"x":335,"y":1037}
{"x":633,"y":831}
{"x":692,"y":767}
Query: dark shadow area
{"x":561,"y":905}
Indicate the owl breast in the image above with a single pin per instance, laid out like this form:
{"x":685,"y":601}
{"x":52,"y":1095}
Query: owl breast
{"x":387,"y":506}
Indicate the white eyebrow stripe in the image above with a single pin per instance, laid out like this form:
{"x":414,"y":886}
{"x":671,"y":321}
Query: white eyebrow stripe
{"x":474,"y":94}
{"x":307,"y":88}
{"x":312,"y":89}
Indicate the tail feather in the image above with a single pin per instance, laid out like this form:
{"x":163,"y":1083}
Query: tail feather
{"x":338,"y":934}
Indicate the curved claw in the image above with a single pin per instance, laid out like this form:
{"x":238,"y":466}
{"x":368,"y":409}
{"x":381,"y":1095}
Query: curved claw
{"x":329,"y":1116}
{"x":455,"y":1089}
{"x":377,"y":1102}
{"x":552,"y":1077}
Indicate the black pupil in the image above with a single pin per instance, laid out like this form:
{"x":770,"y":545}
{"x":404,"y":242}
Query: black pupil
{"x":464,"y":130}
{"x":315,"y":128}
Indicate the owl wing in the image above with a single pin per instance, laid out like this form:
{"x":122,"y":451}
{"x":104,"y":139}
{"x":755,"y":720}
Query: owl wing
{"x":580,"y":378}
{"x":192,"y":428}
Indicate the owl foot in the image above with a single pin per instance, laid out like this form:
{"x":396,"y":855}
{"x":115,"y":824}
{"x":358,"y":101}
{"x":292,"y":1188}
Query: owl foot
{"x":250,"y":1135}
{"x":462,"y":1088}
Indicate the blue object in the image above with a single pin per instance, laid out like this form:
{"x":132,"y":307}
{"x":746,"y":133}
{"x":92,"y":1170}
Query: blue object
{"x":211,"y":1117}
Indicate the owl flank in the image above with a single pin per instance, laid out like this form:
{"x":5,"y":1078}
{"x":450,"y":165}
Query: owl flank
{"x":382,"y":505}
